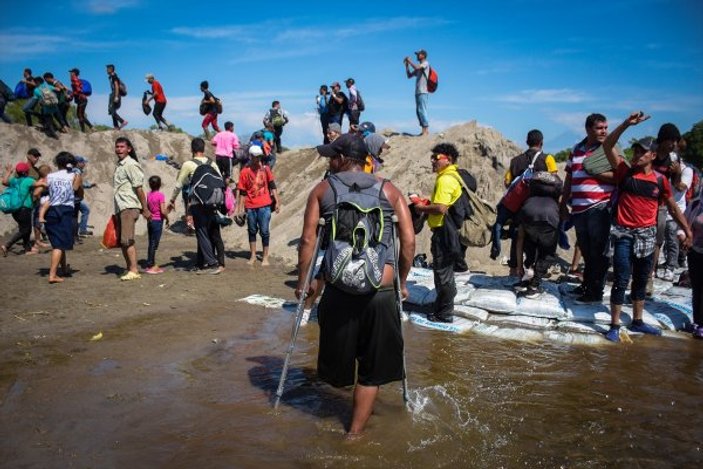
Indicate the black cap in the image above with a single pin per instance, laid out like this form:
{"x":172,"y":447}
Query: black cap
{"x":75,"y":70}
{"x":349,"y":145}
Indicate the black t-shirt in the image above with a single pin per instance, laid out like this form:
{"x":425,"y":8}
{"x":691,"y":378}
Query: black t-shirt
{"x":207,"y":96}
{"x":520,"y":163}
{"x":114,"y":84}
{"x":334,"y":108}
{"x":662,"y":165}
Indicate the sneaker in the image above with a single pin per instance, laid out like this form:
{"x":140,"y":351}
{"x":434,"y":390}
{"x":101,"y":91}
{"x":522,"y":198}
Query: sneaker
{"x":639,"y":326}
{"x":586,"y":299}
{"x":155,"y":270}
{"x":521,"y":286}
{"x":306,"y":317}
{"x":668,"y":275}
{"x":130,"y":276}
{"x":85,"y":233}
{"x":533,"y":292}
{"x":434,"y":318}
{"x":613,"y":334}
{"x":697,"y":331}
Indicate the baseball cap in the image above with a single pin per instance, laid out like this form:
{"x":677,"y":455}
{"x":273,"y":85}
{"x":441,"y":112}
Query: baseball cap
{"x":22,"y":167}
{"x":75,"y":70}
{"x":421,"y":51}
{"x":367,"y":127}
{"x":349,"y":80}
{"x":334,"y":83}
{"x":647,"y":144}
{"x":334,"y":127}
{"x":375,"y":143}
{"x":349,"y":145}
{"x":81,"y":159}
{"x":255,"y":150}
{"x":149,"y":76}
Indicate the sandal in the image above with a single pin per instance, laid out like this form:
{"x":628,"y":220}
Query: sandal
{"x":4,"y":250}
{"x":130,"y":276}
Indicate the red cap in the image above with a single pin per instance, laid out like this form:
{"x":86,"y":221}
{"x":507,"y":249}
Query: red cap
{"x":22,"y":167}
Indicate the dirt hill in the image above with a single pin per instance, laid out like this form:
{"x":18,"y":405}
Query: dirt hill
{"x":484,"y":152}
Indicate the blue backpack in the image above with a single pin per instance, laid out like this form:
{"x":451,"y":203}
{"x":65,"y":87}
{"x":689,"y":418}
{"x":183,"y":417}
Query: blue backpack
{"x":87,"y":89}
{"x":11,"y":200}
{"x":21,"y":91}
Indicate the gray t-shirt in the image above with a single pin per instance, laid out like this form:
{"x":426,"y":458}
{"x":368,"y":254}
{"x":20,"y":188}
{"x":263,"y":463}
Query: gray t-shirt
{"x":421,"y":77}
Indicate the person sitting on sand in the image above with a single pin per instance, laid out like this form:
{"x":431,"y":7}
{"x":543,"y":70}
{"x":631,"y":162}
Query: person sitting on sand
{"x":57,"y":213}
{"x":257,"y":189}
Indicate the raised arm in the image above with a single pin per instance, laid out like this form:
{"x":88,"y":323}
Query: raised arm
{"x":612,"y":139}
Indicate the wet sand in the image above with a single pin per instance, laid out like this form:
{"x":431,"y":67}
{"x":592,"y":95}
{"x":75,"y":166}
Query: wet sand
{"x":183,"y":376}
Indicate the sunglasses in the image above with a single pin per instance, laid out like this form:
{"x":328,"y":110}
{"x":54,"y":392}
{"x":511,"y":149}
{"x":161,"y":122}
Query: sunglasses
{"x":439,"y":157}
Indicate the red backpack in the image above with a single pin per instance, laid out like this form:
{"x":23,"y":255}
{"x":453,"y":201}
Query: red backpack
{"x":432,"y":80}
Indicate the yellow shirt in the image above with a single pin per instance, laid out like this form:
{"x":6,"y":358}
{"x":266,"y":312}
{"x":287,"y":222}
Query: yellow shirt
{"x":186,"y":173}
{"x":548,"y":160}
{"x":127,"y":178}
{"x":447,"y":190}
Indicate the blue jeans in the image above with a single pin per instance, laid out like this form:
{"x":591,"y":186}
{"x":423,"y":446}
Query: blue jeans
{"x":85,"y":213}
{"x":154,"y":229}
{"x":421,"y":109}
{"x":626,"y":265}
{"x":258,"y":220}
{"x":592,"y":235}
{"x":502,"y":216}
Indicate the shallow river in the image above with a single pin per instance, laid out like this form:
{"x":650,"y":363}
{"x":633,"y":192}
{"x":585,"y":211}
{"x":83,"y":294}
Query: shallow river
{"x":475,"y":402}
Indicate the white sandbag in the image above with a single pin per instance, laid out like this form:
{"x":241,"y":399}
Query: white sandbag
{"x":574,"y":338}
{"x":263,"y":300}
{"x":420,"y":275}
{"x":673,"y":316}
{"x":547,"y":305}
{"x":581,"y":327}
{"x":523,"y":335}
{"x":460,"y":325}
{"x":595,"y":313}
{"x":678,"y":292}
{"x":493,"y":300}
{"x":471,"y":313}
{"x":530,"y":322}
{"x":463,"y":293}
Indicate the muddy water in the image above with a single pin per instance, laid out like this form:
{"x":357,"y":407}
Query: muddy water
{"x":196,"y":391}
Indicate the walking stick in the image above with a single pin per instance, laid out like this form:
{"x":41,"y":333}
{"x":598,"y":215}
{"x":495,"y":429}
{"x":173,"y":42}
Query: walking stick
{"x":299,"y":313}
{"x":398,"y":299}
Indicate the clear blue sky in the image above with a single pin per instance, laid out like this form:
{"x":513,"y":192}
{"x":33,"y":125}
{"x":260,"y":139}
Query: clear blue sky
{"x":512,"y":65}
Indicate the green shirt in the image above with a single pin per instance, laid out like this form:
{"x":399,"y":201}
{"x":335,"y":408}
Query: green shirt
{"x":127,"y":179}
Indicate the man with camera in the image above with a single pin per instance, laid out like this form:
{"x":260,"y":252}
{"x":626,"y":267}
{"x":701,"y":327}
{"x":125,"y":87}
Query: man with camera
{"x":420,"y":72}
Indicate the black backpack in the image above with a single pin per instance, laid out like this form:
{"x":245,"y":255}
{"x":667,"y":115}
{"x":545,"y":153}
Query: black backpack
{"x":6,"y":92}
{"x":360,"y":102}
{"x":207,"y":188}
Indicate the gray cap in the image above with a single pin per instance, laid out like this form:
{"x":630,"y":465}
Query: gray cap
{"x":647,"y":143}
{"x":334,"y":127}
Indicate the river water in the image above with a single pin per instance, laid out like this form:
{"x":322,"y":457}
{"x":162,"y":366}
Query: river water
{"x":475,"y":402}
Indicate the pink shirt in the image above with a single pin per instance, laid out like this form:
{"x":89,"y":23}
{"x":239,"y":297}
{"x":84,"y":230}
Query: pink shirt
{"x":225,"y":143}
{"x":154,"y":200}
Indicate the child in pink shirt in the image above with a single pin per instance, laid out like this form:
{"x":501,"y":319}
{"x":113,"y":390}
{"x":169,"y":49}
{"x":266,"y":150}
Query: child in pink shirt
{"x":156,"y":202}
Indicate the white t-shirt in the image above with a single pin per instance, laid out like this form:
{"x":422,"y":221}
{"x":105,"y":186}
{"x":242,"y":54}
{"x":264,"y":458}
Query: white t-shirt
{"x":680,"y":196}
{"x":61,"y":188}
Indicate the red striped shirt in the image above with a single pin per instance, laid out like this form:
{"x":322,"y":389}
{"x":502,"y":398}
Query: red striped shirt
{"x":586,"y":190}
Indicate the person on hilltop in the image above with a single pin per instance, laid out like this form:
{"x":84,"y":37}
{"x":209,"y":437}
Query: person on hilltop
{"x":533,"y":158}
{"x":337,"y":106}
{"x":334,"y":130}
{"x":420,"y":72}
{"x":57,"y":213}
{"x":322,"y":100}
{"x":32,"y":100}
{"x":48,"y":105}
{"x":590,"y":201}
{"x":641,"y":190}
{"x":361,"y":341}
{"x":225,"y":143}
{"x":257,"y":194}
{"x":159,"y":97}
{"x":446,"y":211}
{"x":23,"y":184}
{"x":208,"y":107}
{"x":276,"y":117}
{"x":355,"y":104}
{"x":130,"y":201}
{"x":115,"y":98}
{"x":80,"y":98}
{"x":64,"y":97}
{"x":6,"y":95}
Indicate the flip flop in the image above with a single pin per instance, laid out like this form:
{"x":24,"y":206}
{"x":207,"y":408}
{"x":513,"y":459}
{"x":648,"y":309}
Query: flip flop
{"x":130,"y":276}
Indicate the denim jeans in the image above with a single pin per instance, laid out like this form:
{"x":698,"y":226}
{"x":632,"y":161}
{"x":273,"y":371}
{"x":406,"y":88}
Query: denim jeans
{"x":85,"y":213}
{"x":154,"y":230}
{"x":592,"y":235}
{"x":258,"y":220}
{"x":502,"y":216}
{"x":671,"y":245}
{"x":421,"y":109}
{"x":626,"y":265}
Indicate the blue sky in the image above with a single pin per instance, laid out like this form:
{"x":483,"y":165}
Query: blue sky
{"x":512,"y":65}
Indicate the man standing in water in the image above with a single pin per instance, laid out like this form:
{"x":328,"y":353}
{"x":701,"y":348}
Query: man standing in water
{"x":365,"y":328}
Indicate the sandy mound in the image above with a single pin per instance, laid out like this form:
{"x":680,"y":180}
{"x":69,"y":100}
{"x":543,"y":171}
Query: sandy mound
{"x":484,"y":152}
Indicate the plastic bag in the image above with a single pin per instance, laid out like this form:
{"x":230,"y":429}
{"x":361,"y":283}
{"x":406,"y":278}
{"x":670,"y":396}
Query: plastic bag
{"x":110,"y":238}
{"x":230,"y":201}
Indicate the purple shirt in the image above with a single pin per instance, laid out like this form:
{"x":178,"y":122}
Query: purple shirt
{"x":225,"y":143}
{"x":154,"y":200}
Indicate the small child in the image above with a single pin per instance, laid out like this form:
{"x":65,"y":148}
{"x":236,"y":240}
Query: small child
{"x":156,"y":202}
{"x":41,"y":198}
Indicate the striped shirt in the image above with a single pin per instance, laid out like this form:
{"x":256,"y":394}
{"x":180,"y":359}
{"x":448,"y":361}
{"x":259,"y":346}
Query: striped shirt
{"x":586,"y":191}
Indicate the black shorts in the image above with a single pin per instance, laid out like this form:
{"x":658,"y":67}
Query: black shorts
{"x":363,"y":329}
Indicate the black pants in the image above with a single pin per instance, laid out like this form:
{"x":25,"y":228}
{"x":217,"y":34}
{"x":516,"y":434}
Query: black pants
{"x":444,"y":257}
{"x":225,"y":165}
{"x":541,"y":239}
{"x":158,"y":114}
{"x":592,"y":235}
{"x":277,"y":132}
{"x":325,"y":122}
{"x":695,"y":272}
{"x":211,"y":249}
{"x":23,"y":217}
{"x":112,"y":108}
{"x":80,"y":113}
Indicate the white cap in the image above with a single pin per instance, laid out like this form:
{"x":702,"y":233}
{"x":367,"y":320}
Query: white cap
{"x":255,"y":150}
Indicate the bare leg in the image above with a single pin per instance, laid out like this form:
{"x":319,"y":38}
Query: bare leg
{"x":265,"y":256}
{"x":637,"y":309}
{"x":56,"y":255}
{"x":130,"y":257}
{"x":252,"y":253}
{"x":364,"y":398}
{"x":615,"y":313}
